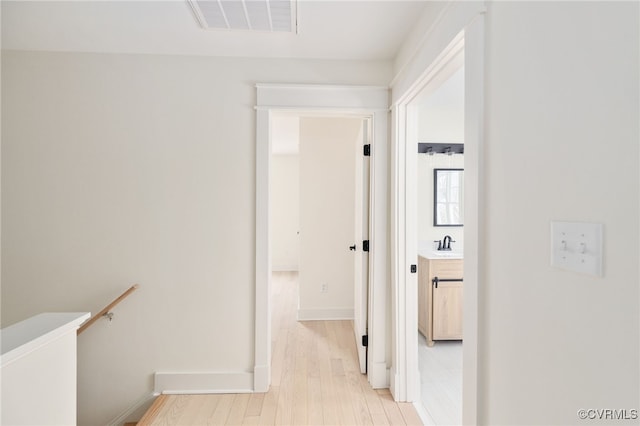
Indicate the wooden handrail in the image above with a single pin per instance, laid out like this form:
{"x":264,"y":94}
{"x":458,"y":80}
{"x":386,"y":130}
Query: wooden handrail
{"x":107,"y":308}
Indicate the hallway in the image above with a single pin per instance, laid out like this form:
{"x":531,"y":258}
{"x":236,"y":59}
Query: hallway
{"x":315,"y":380}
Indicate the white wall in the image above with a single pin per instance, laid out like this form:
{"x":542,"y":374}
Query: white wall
{"x":327,"y":212}
{"x":139,"y":168}
{"x":427,"y":233}
{"x":406,"y":62}
{"x":561,"y":143}
{"x":441,"y":120}
{"x":285,"y":212}
{"x":441,"y":113}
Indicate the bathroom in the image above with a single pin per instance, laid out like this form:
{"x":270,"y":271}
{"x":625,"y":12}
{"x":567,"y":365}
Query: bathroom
{"x":440,"y":168}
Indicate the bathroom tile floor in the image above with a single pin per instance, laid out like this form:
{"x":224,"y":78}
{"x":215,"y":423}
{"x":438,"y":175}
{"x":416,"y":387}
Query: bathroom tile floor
{"x":441,"y":380}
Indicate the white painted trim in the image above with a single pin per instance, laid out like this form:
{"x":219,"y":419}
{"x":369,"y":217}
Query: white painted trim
{"x":436,"y":53}
{"x":202,"y":383}
{"x":438,"y":71}
{"x":367,"y":102}
{"x":24,"y":337}
{"x":441,"y":68}
{"x":261,"y":375}
{"x":140,"y":404}
{"x":474,"y":213}
{"x":426,"y":418}
{"x":262,"y":360}
{"x":398,"y":385}
{"x":378,"y":255}
{"x":378,"y":375}
{"x":418,"y":48}
{"x":394,"y":379}
{"x":324,"y":111}
{"x":448,"y":25}
{"x":308,"y":88}
{"x":322,"y":97}
{"x":325,"y":314}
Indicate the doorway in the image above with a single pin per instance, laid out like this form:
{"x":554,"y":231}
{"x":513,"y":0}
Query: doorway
{"x":320,"y":214}
{"x":440,"y":242}
{"x":369,"y":102}
{"x":467,"y":48}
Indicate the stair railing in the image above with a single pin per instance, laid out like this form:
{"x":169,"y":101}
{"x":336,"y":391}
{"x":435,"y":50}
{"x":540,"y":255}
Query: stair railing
{"x":106,"y":312}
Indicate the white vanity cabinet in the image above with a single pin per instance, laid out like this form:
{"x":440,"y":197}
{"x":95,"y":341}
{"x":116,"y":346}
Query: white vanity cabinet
{"x":440,"y":306}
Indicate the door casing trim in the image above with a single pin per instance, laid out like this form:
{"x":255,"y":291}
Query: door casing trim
{"x":462,"y":25}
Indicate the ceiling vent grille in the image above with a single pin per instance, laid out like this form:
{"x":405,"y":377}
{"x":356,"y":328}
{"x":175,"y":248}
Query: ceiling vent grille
{"x":256,"y":15}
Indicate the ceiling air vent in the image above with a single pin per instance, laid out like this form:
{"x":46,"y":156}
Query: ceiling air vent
{"x":256,"y":15}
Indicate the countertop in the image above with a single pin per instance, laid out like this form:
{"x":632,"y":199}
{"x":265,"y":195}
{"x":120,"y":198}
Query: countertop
{"x":434,"y":254}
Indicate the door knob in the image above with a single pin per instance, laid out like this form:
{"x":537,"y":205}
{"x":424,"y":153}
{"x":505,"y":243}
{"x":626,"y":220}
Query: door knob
{"x":352,"y":248}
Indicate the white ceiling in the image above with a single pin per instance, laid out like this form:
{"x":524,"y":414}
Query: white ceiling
{"x":345,"y":29}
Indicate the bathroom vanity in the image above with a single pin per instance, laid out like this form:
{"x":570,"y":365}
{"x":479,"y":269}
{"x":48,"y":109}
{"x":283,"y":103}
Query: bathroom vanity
{"x":440,"y":296}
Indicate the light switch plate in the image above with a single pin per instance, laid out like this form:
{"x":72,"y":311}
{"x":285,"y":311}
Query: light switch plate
{"x":577,"y":246}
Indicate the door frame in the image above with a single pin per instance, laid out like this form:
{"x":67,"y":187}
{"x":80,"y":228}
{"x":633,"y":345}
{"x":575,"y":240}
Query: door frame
{"x":361,"y":233}
{"x":366,"y":101}
{"x":464,"y":27}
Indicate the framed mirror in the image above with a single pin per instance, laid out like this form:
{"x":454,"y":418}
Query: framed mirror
{"x":448,"y":197}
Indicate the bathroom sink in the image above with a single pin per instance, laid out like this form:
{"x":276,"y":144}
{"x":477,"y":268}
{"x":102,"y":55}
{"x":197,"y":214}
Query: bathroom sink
{"x":435,"y":254}
{"x":451,"y":254}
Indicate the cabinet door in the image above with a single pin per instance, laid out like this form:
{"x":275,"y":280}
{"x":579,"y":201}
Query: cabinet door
{"x":424,"y":312}
{"x":447,"y":268}
{"x":447,"y":311}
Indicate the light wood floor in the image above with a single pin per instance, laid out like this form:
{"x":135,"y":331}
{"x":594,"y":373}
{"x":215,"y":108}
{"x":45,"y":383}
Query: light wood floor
{"x":315,"y":380}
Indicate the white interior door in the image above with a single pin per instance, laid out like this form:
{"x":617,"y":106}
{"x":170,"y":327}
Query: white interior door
{"x":361,"y":258}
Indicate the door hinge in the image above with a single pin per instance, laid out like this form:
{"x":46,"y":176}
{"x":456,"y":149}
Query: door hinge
{"x":365,"y":341}
{"x":367,"y":150}
{"x":414,"y":269}
{"x":365,"y":245}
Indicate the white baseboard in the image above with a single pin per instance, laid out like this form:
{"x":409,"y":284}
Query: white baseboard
{"x":198,"y":383}
{"x":394,"y":383}
{"x":378,"y":375}
{"x":261,"y":378}
{"x":325,"y":314}
{"x":135,"y":412}
{"x":424,"y":415}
